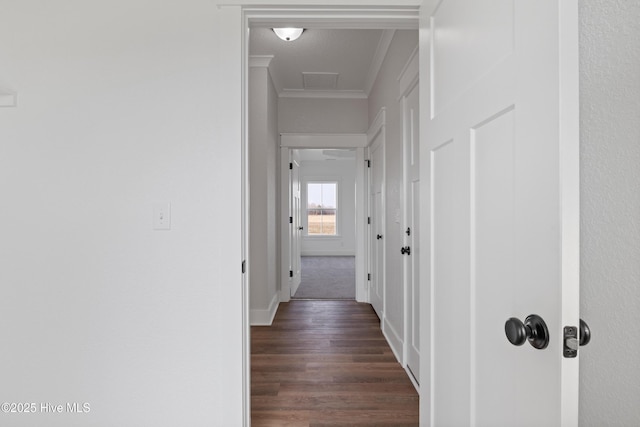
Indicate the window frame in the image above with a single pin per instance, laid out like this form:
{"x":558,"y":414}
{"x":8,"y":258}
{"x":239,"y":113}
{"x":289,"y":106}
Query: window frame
{"x":323,"y":180}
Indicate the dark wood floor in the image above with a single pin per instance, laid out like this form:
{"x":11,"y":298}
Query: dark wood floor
{"x":326,"y":363}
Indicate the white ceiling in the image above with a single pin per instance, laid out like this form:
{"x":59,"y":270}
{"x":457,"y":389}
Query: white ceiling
{"x":354,"y":54}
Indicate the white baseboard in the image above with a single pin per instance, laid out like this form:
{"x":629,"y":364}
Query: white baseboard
{"x":394,"y":340}
{"x":412,"y":378}
{"x":264,"y":317}
{"x":327,"y":253}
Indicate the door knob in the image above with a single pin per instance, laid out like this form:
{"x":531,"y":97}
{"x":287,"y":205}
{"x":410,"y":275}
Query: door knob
{"x":379,"y":236}
{"x":405,"y":250}
{"x":534,"y":329}
{"x":300,"y":228}
{"x":585,"y":333}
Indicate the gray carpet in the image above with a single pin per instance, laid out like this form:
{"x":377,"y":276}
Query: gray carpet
{"x":327,"y":277}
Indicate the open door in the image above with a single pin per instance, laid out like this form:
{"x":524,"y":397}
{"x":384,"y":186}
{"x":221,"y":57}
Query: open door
{"x":500,"y":211}
{"x":376,"y":216}
{"x":296,"y":222}
{"x":411,"y":251}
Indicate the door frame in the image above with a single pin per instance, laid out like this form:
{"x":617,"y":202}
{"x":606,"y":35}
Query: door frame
{"x":301,"y":141}
{"x":368,"y":14}
{"x":399,"y":14}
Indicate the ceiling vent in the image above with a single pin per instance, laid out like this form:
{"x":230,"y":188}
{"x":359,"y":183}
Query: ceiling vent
{"x":320,"y":81}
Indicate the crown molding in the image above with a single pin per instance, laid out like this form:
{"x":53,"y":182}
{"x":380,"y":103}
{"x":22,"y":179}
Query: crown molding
{"x":264,"y":61}
{"x":257,"y":61}
{"x":409,"y":75}
{"x":378,"y":59}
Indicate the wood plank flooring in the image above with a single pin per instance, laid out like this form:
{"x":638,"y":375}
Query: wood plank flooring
{"x":326,"y":363}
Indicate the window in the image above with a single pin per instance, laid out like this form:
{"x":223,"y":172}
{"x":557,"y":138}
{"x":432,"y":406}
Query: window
{"x":322,"y":208}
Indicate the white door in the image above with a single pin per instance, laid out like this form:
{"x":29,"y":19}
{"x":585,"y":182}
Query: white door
{"x":296,"y":223}
{"x":500,"y":202}
{"x":411,"y":123}
{"x":376,"y":156}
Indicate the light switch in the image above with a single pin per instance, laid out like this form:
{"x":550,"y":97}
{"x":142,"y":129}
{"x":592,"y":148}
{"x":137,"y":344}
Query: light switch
{"x":162,"y":216}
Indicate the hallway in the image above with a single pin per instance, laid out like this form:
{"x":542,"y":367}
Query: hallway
{"x":327,"y":277}
{"x":327,"y":363}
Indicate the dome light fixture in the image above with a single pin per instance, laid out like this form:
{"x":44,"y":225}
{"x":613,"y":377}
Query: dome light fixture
{"x":288,"y":34}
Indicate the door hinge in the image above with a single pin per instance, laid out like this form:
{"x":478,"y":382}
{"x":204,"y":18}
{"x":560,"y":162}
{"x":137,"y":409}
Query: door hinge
{"x":369,"y":277}
{"x":290,"y":273}
{"x":368,"y":163}
{"x":290,"y":220}
{"x":290,"y":165}
{"x":369,"y":220}
{"x":244,"y":266}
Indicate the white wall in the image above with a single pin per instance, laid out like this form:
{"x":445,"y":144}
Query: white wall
{"x":385,"y":94}
{"x":121,"y":104}
{"x":343,"y":171}
{"x":263,"y":148}
{"x":610,"y":229}
{"x":302,"y":115}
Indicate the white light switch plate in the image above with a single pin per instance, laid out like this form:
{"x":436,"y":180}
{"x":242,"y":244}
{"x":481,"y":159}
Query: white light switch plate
{"x":162,"y":216}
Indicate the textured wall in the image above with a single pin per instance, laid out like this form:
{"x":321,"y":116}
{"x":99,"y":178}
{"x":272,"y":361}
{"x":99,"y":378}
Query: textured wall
{"x":610,"y":161}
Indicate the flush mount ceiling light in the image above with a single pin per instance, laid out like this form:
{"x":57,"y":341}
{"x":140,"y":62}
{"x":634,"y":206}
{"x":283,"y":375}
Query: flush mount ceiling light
{"x":288,"y":34}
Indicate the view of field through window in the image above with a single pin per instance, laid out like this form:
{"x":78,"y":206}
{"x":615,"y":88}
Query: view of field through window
{"x":322,"y":208}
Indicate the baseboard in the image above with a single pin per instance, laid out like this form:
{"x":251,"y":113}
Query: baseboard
{"x":328,"y":253}
{"x":397,"y":346}
{"x":412,"y":378}
{"x":394,"y":340}
{"x":262,"y":317}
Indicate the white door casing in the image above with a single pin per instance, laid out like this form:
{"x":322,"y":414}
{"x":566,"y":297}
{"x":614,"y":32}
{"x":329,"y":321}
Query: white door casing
{"x":409,"y":90}
{"x":500,"y":205}
{"x":290,"y":143}
{"x":376,"y":137}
